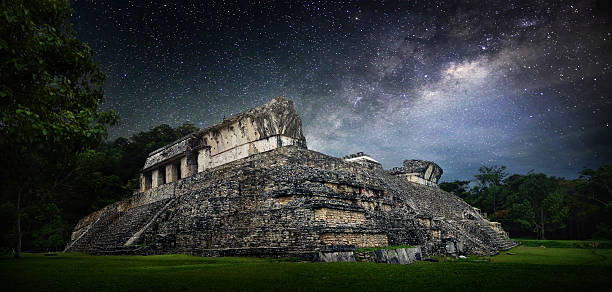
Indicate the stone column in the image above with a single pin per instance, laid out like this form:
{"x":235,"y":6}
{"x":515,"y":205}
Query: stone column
{"x":142,"y":183}
{"x":171,"y":173}
{"x":157,"y":180}
{"x":145,"y":182}
{"x":203,"y":159}
{"x":186,"y":168}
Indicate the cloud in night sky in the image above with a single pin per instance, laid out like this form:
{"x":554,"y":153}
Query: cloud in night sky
{"x":512,"y":83}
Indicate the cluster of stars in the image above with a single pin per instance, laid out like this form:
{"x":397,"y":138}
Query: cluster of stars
{"x":516,"y":83}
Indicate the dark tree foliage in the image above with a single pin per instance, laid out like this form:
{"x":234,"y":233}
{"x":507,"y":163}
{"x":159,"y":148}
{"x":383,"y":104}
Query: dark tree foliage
{"x":539,"y":205}
{"x":50,"y":91}
{"x":100,"y":176}
{"x":55,"y":167}
{"x":491,"y":175}
{"x":458,"y":187}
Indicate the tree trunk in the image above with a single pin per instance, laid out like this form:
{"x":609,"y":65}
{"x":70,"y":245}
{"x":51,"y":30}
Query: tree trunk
{"x":18,"y":250}
{"x":542,"y":222}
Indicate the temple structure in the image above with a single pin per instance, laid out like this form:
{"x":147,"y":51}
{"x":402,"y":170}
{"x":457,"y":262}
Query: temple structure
{"x":264,"y":128}
{"x":250,"y":186}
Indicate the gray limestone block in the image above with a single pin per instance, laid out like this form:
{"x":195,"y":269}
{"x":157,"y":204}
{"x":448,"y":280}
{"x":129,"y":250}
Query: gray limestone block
{"x":414,"y":253}
{"x":393,"y":257}
{"x":402,"y":256}
{"x":380,"y":256}
{"x":450,"y":247}
{"x":459,"y":246}
{"x":338,"y":256}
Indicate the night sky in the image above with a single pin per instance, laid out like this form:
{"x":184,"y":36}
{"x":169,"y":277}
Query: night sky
{"x":522,"y":84}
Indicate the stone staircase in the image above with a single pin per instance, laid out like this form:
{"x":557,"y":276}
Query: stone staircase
{"x":109,"y":234}
{"x":500,"y":242}
{"x":487,"y":239}
{"x":476,"y":242}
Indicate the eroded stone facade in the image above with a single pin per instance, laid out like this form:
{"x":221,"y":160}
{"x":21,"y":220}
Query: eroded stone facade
{"x":335,"y":217}
{"x":281,"y":199}
{"x":419,"y":171}
{"x":264,"y":128}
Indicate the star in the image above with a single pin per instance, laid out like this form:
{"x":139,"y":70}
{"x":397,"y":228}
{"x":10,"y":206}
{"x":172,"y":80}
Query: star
{"x":457,"y":83}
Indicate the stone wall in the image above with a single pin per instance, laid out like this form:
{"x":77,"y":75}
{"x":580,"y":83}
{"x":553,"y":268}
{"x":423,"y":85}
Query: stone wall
{"x":335,"y":217}
{"x":419,"y":171}
{"x":355,"y":239}
{"x":415,"y":178}
{"x":426,"y":169}
{"x":207,"y":158}
{"x":291,"y":202}
{"x":402,"y":256}
{"x":364,"y":160}
{"x":264,"y":128}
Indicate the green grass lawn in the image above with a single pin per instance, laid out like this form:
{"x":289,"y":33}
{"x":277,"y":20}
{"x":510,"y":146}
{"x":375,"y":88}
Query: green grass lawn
{"x":603,"y":244}
{"x":527,"y":268}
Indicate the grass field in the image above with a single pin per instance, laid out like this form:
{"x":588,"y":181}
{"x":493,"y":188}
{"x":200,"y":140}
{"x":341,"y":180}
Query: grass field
{"x":525,"y":268}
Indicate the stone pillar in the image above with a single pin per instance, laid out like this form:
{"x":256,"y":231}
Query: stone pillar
{"x":157,"y":179}
{"x":171,"y":173}
{"x":145,"y":182}
{"x":142,"y":183}
{"x":203,"y":159}
{"x":186,"y":168}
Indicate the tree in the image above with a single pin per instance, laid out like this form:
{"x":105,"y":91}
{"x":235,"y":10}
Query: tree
{"x":490,"y":178}
{"x":604,"y":228}
{"x":185,"y":129}
{"x":598,"y":184}
{"x":574,"y":209}
{"x":539,"y":189}
{"x":588,"y":199}
{"x":458,"y":187}
{"x":556,"y":210}
{"x":50,"y":91}
{"x":491,"y":175}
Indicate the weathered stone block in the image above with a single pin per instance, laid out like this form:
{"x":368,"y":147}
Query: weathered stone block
{"x":338,"y":256}
{"x":401,"y":256}
{"x":171,"y":173}
{"x":187,"y":169}
{"x":158,"y":178}
{"x":356,"y":239}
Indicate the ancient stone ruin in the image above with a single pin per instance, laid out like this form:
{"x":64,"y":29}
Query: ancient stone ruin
{"x":249,"y":186}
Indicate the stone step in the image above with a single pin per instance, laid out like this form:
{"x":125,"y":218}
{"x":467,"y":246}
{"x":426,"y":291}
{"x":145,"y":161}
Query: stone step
{"x":114,"y":230}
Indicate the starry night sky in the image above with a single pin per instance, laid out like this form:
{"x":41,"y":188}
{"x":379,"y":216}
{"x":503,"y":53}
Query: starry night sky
{"x":522,"y":84}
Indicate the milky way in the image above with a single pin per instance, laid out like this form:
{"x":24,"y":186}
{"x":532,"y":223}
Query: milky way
{"x":521,"y":84}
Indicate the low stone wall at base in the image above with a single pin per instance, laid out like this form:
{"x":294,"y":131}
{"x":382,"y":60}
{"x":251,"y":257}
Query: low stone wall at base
{"x":336,"y":256}
{"x":402,"y":256}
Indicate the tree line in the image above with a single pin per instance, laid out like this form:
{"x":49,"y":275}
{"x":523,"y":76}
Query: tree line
{"x":538,"y":205}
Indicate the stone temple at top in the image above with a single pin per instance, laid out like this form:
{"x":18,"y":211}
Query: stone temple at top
{"x":249,"y":186}
{"x":264,"y":128}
